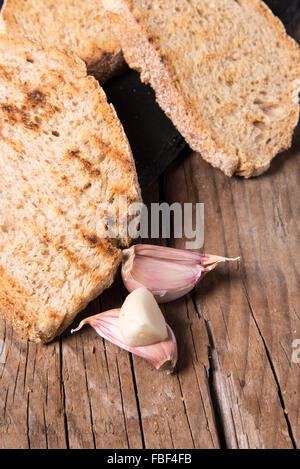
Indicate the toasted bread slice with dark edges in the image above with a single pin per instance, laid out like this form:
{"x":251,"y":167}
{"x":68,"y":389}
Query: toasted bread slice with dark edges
{"x":224,"y":71}
{"x":79,"y":26}
{"x":65,"y":162}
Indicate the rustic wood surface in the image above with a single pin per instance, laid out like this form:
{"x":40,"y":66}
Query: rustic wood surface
{"x":236,"y":385}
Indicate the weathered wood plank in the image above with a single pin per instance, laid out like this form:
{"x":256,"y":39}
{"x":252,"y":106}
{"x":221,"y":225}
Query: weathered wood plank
{"x":176,"y":410}
{"x":100,"y":399}
{"x":252,"y":314}
{"x":236,"y":384}
{"x":31,"y":409}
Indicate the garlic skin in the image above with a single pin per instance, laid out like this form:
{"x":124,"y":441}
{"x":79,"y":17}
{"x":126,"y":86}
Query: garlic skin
{"x":167,"y":272}
{"x":162,"y":355}
{"x":141,"y":320}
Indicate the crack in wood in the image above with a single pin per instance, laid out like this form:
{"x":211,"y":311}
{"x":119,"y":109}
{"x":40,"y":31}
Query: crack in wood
{"x":198,"y":314}
{"x":203,"y":405}
{"x":220,"y":405}
{"x":28,"y":421}
{"x":122,"y":403}
{"x":214,"y":398}
{"x":137,"y":403}
{"x":63,"y":393}
{"x":5,"y":402}
{"x":106,"y":360}
{"x":45,"y":427}
{"x":185,"y":410}
{"x":15,"y":383}
{"x":272,"y":367}
{"x":47,"y":388}
{"x":170,"y":432}
{"x":26,"y":363}
{"x":89,"y":399}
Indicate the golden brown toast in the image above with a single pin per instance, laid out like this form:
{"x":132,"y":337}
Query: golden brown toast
{"x":63,"y":153}
{"x":224,"y":71}
{"x":79,"y":26}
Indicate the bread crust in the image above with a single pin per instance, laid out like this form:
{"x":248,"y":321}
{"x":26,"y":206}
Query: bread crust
{"x":107,"y":66}
{"x":104,"y":59}
{"x":142,"y":53}
{"x":26,"y":115}
{"x":22,"y":312}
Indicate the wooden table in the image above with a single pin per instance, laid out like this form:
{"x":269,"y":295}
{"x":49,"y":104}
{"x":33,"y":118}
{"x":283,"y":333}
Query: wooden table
{"x":236,"y":386}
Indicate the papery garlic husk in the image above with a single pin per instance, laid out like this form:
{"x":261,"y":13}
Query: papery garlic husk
{"x":162,"y":355}
{"x":168,"y":273}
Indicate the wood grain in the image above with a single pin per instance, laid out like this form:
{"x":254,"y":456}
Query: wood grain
{"x":236,"y":385}
{"x":252,"y":315}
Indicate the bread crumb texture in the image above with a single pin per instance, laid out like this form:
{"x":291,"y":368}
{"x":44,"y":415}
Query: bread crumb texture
{"x":63,"y":154}
{"x":224,"y":71}
{"x":82,"y":27}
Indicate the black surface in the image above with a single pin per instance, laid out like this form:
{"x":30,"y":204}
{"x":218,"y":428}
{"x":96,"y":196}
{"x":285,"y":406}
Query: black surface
{"x":154,"y":140}
{"x":287,"y":10}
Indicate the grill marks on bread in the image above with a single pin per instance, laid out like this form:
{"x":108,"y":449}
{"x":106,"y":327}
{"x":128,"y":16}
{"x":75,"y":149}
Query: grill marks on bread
{"x":31,"y":112}
{"x":62,"y":152}
{"x":36,"y":98}
{"x":86,"y":165}
{"x":15,"y":115}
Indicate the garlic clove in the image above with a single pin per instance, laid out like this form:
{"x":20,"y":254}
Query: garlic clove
{"x":167,"y":272}
{"x":162,"y":355}
{"x":141,"y":320}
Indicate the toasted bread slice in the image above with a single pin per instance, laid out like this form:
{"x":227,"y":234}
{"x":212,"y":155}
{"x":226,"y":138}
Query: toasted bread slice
{"x":65,"y":162}
{"x":224,"y":71}
{"x":82,"y":27}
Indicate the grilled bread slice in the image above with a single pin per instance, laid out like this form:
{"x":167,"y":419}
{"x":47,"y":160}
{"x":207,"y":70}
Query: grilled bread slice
{"x":224,"y":71}
{"x":80,"y":26}
{"x":66,"y":169}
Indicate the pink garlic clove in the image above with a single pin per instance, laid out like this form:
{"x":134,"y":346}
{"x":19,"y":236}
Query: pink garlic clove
{"x":162,"y":355}
{"x":168,"y":273}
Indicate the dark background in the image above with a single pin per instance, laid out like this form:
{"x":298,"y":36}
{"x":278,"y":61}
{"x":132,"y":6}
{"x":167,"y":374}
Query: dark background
{"x":154,"y":140}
